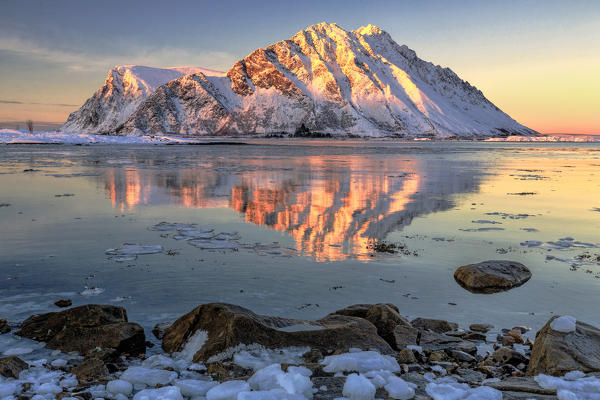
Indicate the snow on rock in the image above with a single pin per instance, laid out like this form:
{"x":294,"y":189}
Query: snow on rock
{"x":397,"y":388}
{"x":565,"y":324}
{"x":147,"y":376}
{"x":194,"y":387}
{"x":357,"y":387}
{"x":192,"y":346}
{"x":295,"y":381}
{"x":256,"y":357}
{"x":163,"y":393}
{"x":448,"y":388}
{"x":362,"y":361}
{"x":119,"y":386}
{"x":227,"y":390}
{"x":574,"y":385}
{"x":14,"y":136}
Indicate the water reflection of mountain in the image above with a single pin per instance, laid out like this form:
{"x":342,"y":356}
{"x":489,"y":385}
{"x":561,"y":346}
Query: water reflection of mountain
{"x":330,"y":207}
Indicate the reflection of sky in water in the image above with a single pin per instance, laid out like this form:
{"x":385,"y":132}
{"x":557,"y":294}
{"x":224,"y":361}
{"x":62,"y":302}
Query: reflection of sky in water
{"x":324,"y":203}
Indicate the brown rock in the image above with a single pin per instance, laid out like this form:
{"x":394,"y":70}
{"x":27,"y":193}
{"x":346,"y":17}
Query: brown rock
{"x":483,"y":328}
{"x":229,"y":325}
{"x":312,"y":356}
{"x":436,"y":325}
{"x":84,"y":328}
{"x":516,"y":334}
{"x":492,"y":276}
{"x":159,"y":329}
{"x":406,"y":356}
{"x":506,"y":355}
{"x":474,"y":336}
{"x":11,"y":366}
{"x":515,"y":384}
{"x":556,"y":353}
{"x":63,"y":303}
{"x":4,"y":326}
{"x":90,"y":370}
{"x":385,"y":318}
{"x":508,"y":340}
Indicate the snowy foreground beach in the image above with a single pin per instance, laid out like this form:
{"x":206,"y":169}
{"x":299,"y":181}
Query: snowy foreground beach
{"x":225,"y":352}
{"x":13,"y":136}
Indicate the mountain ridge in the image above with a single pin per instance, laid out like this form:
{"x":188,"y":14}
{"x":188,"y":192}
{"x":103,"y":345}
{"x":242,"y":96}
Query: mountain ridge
{"x":324,"y":79}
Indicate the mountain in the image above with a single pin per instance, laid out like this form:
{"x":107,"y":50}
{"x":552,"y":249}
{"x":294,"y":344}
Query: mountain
{"x":323,"y":80}
{"x":124,"y":89}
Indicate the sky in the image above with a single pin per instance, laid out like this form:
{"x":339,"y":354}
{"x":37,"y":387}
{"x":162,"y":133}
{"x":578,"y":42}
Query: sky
{"x":538,"y":61}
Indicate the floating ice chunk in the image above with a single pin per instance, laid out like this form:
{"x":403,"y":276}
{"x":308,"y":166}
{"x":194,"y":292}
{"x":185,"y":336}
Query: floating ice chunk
{"x":227,"y":236}
{"x":9,"y":388}
{"x":149,"y":377}
{"x":481,"y":229}
{"x":134,"y":249}
{"x":193,"y":344}
{"x":168,"y":226}
{"x":361,"y":362}
{"x":397,"y":388}
{"x":227,"y":390}
{"x":194,"y":387}
{"x":485,"y":221}
{"x":163,"y":393}
{"x":214,"y":244}
{"x":121,"y":259}
{"x":91,"y":291}
{"x":357,"y":387}
{"x":565,"y":324}
{"x":17,"y":351}
{"x":119,"y":386}
{"x":531,"y":243}
{"x":260,"y":357}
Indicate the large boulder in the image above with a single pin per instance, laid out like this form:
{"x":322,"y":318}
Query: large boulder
{"x":11,"y":366}
{"x":229,"y":325}
{"x":85,"y":328}
{"x":384,"y":316}
{"x":492,"y":276}
{"x":557,"y":350}
{"x":435,"y":325}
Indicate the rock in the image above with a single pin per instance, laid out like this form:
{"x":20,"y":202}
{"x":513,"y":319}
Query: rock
{"x":475,"y":336}
{"x":430,"y":340}
{"x":461,"y":356}
{"x":4,"y":326}
{"x":436,"y":325}
{"x":229,"y":325}
{"x":312,"y":356}
{"x":84,"y":328}
{"x":516,"y":334}
{"x":63,"y":303}
{"x":11,"y":366}
{"x":406,"y":356}
{"x":508,"y":340}
{"x":483,"y":328}
{"x":526,"y":385}
{"x":159,"y":329}
{"x":90,"y":370}
{"x":506,"y":355}
{"x":470,"y":375}
{"x":385,"y":317}
{"x":492,"y":276}
{"x":556,"y":353}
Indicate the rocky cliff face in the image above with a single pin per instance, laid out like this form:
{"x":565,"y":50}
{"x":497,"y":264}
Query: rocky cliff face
{"x":326,"y":78}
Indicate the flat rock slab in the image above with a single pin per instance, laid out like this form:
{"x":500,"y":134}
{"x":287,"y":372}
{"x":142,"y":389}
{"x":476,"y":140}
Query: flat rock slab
{"x":517,"y":384}
{"x":492,"y":276}
{"x":229,"y":325}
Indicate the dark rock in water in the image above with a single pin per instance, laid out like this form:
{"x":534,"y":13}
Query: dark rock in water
{"x":361,"y":310}
{"x":11,"y":367}
{"x":436,"y":325}
{"x":63,"y":303}
{"x":506,"y":355}
{"x":556,"y":353}
{"x":229,"y":325}
{"x":492,"y":276}
{"x":84,"y":328}
{"x":90,"y":370}
{"x":4,"y":326}
{"x":159,"y":329}
{"x":483,"y":328}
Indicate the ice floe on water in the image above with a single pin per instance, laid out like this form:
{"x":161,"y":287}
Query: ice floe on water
{"x":486,"y":229}
{"x":509,"y":215}
{"x":485,"y":221}
{"x":129,"y":252}
{"x":92,"y":291}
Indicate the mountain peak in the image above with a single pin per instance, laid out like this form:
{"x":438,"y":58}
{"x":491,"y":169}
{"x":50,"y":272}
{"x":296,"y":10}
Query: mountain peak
{"x":370,"y":30}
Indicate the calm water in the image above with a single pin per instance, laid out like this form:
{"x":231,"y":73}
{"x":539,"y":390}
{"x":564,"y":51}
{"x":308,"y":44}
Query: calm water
{"x":305,"y":214}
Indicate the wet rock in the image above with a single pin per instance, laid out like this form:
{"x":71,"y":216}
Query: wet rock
{"x":430,"y":340}
{"x":525,"y":385}
{"x":361,"y":310}
{"x":475,"y":336}
{"x":4,"y":326}
{"x":491,"y":371}
{"x":506,"y":355}
{"x":85,"y":328}
{"x":63,"y":303}
{"x":385,"y":317}
{"x":508,"y":340}
{"x":515,"y":333}
{"x":556,"y":353}
{"x":229,"y":325}
{"x":483,"y":328}
{"x":90,"y":370}
{"x":471,"y":376}
{"x":492,"y":276}
{"x":312,"y":356}
{"x":461,"y":356}
{"x":436,"y":325}
{"x":159,"y":329}
{"x":11,"y":366}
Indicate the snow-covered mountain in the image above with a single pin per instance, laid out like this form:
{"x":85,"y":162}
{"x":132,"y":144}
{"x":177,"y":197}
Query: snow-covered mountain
{"x":124,"y":89}
{"x":324,"y":78}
